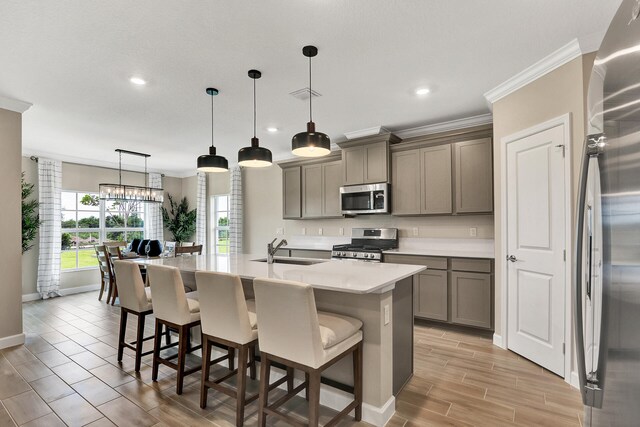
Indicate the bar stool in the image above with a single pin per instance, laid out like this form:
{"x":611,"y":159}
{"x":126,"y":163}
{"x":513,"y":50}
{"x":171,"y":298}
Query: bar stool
{"x":292,"y":332}
{"x":173,"y":309}
{"x":134,"y":299}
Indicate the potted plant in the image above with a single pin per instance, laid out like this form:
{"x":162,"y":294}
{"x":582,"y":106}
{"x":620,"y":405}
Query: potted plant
{"x":30,"y":217}
{"x":179,"y":220}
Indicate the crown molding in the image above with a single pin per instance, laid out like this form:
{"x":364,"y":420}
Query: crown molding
{"x":366,"y":132}
{"x":566,"y":53}
{"x":14,"y":105}
{"x":467,"y":122}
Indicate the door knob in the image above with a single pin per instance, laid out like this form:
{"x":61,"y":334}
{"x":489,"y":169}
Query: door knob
{"x":512,"y":258}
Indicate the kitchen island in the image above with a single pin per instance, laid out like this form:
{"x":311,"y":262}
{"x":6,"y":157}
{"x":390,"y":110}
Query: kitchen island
{"x":379,"y":294}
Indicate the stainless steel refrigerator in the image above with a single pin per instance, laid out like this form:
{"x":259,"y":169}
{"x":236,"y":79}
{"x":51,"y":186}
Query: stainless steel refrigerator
{"x":607,"y":256}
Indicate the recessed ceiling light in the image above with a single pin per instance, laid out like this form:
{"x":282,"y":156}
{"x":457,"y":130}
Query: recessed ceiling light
{"x":422,"y":91}
{"x":138,"y":81}
{"x":272,"y":129}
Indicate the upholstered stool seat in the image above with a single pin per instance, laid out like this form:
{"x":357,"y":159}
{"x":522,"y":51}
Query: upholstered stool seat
{"x":173,"y":309}
{"x":294,"y":333}
{"x":229,"y":322}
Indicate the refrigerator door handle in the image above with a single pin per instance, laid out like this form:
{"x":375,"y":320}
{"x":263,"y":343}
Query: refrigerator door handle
{"x":591,"y":393}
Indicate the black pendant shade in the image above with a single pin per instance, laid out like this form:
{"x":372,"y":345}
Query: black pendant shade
{"x":310,"y":143}
{"x":254,"y":156}
{"x":212,"y":162}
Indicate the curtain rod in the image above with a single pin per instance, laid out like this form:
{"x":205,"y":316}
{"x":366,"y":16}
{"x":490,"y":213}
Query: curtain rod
{"x":35,"y":159}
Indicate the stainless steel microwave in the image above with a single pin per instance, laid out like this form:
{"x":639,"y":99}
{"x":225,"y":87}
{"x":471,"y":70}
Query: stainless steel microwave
{"x":364,"y":199}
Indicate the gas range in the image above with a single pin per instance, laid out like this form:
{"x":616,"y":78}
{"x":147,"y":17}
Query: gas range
{"x":367,"y":244}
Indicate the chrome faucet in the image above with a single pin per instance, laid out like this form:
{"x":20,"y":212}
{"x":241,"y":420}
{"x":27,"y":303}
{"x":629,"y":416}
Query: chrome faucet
{"x":271,"y":250}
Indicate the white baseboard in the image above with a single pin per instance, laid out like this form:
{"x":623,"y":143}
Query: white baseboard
{"x":11,"y":341}
{"x":497,"y":340}
{"x":575,"y":381}
{"x":63,"y":292}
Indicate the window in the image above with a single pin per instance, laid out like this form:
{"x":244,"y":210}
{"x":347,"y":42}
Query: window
{"x":220,"y":219}
{"x":87,"y":221}
{"x":80,"y":230}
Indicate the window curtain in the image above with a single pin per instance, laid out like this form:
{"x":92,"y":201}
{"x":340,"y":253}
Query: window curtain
{"x":235,"y":210}
{"x":153,"y":224}
{"x":201,"y":212}
{"x":50,"y":246}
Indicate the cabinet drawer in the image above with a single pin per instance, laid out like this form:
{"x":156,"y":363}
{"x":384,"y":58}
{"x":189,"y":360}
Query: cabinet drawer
{"x":302,"y":253}
{"x":471,"y":264}
{"x":432,"y":263}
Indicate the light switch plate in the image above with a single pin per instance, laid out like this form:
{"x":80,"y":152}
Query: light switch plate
{"x":341,"y":231}
{"x":319,"y":231}
{"x":304,"y":231}
{"x":473,"y":231}
{"x":416,"y":231}
{"x":387,"y":315}
{"x":280,"y":231}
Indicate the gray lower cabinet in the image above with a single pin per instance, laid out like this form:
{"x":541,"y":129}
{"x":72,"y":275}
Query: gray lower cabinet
{"x":430,"y":298}
{"x":291,"y":193}
{"x":473,"y":164}
{"x":471,"y":299}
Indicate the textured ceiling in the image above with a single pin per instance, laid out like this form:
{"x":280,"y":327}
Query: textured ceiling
{"x":73,"y":59}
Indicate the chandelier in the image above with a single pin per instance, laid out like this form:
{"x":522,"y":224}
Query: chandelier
{"x":131,"y":193}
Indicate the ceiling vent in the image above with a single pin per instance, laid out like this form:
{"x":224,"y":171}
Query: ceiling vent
{"x":303,"y":94}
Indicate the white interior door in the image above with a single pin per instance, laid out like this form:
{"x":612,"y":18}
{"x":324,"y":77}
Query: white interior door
{"x":536,"y":246}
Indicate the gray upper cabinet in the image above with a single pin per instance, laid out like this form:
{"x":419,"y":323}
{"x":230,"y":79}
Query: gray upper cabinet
{"x":321,"y":190}
{"x":366,"y":164}
{"x":405,"y":180}
{"x":331,"y":183}
{"x":312,"y":191}
{"x":291,"y":193}
{"x":435,"y":173}
{"x":473,"y":164}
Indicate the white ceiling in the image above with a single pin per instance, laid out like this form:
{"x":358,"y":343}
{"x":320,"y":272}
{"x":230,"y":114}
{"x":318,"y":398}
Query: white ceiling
{"x":73,"y":59}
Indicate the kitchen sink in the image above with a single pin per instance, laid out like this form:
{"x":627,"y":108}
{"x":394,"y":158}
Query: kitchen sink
{"x":292,"y":261}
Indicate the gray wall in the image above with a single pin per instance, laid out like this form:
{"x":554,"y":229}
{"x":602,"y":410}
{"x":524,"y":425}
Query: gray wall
{"x":11,"y":224}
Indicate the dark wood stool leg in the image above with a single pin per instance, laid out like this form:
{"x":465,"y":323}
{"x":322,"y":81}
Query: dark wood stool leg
{"x":183,"y":336}
{"x":357,"y":380}
{"x":242,"y":385}
{"x":306,"y":389}
{"x":289,"y":379}
{"x":115,"y":292}
{"x":206,"y":364}
{"x":188,"y":335}
{"x":123,"y":330}
{"x":139,"y":340}
{"x":265,"y":370}
{"x":232,"y":356}
{"x":314,"y":398}
{"x":252,"y":362}
{"x":157,"y":343}
{"x":167,"y":336}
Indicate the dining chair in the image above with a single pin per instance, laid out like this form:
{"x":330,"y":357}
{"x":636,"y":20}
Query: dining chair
{"x":105,"y":272}
{"x":188,"y":250}
{"x":113,"y":253}
{"x":188,"y":244}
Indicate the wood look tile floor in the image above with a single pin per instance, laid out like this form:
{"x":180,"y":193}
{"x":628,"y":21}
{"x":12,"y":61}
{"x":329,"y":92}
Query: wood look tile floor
{"x":67,"y":374}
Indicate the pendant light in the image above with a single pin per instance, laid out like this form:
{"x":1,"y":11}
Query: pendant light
{"x":212,"y":162}
{"x":254,"y":156}
{"x":310,"y":143}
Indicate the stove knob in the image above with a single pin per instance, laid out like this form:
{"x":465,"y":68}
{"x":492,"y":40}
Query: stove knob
{"x":343,"y":254}
{"x":366,"y":255}
{"x":354,"y":254}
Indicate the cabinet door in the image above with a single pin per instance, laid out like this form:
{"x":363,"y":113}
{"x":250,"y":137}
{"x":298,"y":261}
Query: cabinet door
{"x":430,"y":295}
{"x":405,"y":183}
{"x":435,"y":173}
{"x":291,"y":193}
{"x":331,"y":183}
{"x":473,"y":176}
{"x":471,"y":299}
{"x":312,"y":191}
{"x":376,"y":162}
{"x":353,"y":165}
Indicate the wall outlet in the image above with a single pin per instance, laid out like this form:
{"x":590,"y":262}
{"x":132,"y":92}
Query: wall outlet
{"x":341,"y":231}
{"x":416,"y":231}
{"x":304,"y":231}
{"x":280,"y":231}
{"x":473,"y":232}
{"x":387,"y":315}
{"x":319,"y":231}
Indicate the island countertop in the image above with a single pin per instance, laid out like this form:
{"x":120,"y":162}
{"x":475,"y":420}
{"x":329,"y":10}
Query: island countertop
{"x":351,"y":276}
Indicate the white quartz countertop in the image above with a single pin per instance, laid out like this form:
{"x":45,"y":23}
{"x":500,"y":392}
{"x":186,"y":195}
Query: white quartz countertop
{"x":463,"y":248}
{"x":350,"y":276}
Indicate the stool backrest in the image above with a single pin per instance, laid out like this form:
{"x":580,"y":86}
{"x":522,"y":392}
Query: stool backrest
{"x":169,"y":297}
{"x":130,"y":285}
{"x":288,"y":320}
{"x":223,"y":309}
{"x":189,"y":250}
